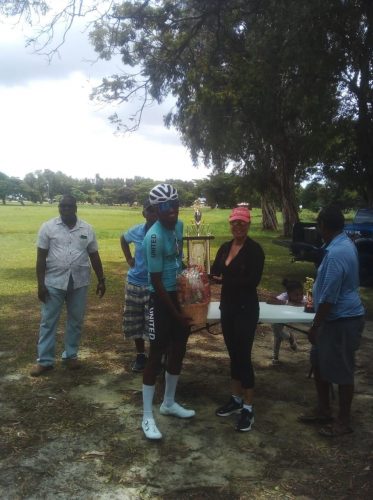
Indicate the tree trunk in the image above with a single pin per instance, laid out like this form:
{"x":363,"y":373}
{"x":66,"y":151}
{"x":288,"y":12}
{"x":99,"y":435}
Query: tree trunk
{"x":364,"y":126}
{"x":288,"y":199}
{"x":269,"y":218}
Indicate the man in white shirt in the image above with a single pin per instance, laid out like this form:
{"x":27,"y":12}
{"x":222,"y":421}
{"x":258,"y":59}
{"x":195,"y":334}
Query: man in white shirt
{"x":66,"y":249}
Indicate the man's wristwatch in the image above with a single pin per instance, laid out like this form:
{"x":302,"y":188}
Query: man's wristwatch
{"x":102,"y":280}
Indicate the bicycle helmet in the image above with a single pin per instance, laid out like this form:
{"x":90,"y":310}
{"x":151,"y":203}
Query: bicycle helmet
{"x":162,"y":193}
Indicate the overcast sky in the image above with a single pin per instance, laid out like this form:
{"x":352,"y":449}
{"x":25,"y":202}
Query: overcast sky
{"x":47,"y":120}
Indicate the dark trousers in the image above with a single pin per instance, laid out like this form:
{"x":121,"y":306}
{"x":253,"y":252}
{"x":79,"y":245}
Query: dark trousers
{"x":238,"y":326}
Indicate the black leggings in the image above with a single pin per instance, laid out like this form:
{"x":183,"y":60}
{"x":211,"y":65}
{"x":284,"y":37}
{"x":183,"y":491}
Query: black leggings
{"x":239,"y":325}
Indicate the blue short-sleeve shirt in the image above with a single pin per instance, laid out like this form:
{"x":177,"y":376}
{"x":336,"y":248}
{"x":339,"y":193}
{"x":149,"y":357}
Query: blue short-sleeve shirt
{"x":137,"y":275}
{"x":337,"y":280}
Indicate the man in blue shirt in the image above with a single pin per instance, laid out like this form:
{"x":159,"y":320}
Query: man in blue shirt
{"x":168,"y":327}
{"x":136,"y":297}
{"x":338,"y":324}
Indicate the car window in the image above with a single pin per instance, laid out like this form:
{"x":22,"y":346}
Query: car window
{"x":364,"y":216}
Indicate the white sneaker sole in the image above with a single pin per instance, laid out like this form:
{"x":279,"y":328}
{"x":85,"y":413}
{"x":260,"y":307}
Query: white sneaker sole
{"x":178,"y":411}
{"x":226,"y":414}
{"x":247,"y":428}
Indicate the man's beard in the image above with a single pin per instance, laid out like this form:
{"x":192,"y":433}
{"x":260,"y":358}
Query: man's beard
{"x":69,"y":220}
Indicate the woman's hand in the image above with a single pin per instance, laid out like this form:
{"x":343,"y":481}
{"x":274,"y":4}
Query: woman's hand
{"x":215,"y":279}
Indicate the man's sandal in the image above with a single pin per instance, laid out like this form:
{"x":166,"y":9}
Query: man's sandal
{"x":314,"y":417}
{"x":335,"y":430}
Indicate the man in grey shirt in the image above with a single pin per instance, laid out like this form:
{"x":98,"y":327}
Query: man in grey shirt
{"x":66,"y":249}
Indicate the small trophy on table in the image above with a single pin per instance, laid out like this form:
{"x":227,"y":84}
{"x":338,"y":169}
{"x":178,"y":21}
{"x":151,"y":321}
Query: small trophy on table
{"x":308,"y":285}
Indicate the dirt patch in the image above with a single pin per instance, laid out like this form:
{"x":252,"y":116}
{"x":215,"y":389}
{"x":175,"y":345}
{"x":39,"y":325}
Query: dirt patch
{"x":77,"y":434}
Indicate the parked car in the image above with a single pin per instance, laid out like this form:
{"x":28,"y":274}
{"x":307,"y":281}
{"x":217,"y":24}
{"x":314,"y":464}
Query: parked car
{"x":362,"y":225}
{"x":306,"y":243}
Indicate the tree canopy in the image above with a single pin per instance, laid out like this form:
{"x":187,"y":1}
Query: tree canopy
{"x":224,"y":190}
{"x":278,"y":90}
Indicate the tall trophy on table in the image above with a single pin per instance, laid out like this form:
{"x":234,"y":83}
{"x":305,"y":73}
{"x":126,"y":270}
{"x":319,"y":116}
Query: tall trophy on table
{"x":193,"y":282}
{"x":198,"y":239}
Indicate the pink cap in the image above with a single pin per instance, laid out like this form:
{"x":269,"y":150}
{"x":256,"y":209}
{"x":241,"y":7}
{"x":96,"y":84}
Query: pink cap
{"x":240,"y":213}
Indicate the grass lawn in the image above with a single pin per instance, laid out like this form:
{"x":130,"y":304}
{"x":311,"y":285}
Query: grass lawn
{"x":19,"y":226}
{"x":77,"y":434}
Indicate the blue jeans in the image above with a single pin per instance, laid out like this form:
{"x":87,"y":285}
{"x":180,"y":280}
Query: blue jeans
{"x":50,"y":314}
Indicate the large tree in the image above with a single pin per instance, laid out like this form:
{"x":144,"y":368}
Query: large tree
{"x":351,"y":35}
{"x":247,"y":75}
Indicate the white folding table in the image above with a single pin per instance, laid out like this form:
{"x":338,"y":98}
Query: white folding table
{"x":269,"y":313}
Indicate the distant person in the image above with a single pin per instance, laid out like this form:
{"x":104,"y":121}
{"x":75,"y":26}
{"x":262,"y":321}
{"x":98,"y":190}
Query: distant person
{"x":336,"y":330}
{"x":168,"y":328}
{"x":293,"y":296}
{"x":239,"y":266}
{"x":136,"y":299}
{"x":66,"y":246}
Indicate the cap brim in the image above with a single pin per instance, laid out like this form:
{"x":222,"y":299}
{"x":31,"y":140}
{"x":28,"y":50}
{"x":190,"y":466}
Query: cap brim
{"x":231,"y":219}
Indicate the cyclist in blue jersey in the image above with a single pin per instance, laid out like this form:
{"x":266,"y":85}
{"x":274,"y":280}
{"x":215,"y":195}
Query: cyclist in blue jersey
{"x":168,"y":328}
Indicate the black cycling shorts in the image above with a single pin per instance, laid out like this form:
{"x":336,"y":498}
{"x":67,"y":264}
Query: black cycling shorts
{"x":163,"y":327}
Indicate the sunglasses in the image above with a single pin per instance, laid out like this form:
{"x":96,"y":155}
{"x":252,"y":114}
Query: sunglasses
{"x":168,"y":205}
{"x":239,"y":223}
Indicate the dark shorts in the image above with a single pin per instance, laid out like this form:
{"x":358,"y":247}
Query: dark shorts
{"x":164,"y":329}
{"x":334,"y":353}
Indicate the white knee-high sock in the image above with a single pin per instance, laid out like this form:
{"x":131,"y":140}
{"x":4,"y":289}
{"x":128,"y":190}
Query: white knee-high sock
{"x":147,"y":400}
{"x":170,"y":389}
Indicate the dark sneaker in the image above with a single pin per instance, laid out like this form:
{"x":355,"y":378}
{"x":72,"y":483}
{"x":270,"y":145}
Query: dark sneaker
{"x":72,"y":363}
{"x":38,"y":370}
{"x":245,"y":420}
{"x":139,"y":363}
{"x":228,"y":409}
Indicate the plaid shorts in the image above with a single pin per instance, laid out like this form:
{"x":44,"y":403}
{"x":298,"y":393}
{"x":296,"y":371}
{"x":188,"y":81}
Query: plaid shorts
{"x":136,"y":312}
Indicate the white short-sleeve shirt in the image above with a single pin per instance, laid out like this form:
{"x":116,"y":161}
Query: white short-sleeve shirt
{"x":68,"y":252}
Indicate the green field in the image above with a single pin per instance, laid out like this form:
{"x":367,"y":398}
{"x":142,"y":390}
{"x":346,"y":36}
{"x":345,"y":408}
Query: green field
{"x":19,"y":226}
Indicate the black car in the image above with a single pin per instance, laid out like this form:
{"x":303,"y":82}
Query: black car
{"x":306,"y":243}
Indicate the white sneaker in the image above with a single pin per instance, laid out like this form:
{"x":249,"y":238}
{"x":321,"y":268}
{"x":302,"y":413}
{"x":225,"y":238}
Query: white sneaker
{"x":176,"y":410}
{"x":150,"y":429}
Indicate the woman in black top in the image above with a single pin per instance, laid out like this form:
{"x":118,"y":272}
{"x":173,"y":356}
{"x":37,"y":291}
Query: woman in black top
{"x":239,"y":266}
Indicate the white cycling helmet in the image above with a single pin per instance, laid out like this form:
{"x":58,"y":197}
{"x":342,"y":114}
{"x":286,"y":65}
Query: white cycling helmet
{"x":162,"y":193}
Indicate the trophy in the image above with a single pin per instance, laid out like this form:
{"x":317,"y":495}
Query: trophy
{"x":198,"y":239}
{"x":308,"y":286}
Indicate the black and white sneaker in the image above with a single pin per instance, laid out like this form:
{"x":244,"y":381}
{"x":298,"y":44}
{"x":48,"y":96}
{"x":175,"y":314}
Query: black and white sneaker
{"x":245,"y":420}
{"x":139,"y":363}
{"x":228,"y":409}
